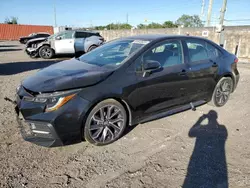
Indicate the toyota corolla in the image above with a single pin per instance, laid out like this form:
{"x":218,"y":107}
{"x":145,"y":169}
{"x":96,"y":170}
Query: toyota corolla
{"x":122,"y":83}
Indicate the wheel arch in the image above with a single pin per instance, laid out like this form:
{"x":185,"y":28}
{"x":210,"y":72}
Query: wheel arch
{"x":121,"y":101}
{"x":230,"y":75}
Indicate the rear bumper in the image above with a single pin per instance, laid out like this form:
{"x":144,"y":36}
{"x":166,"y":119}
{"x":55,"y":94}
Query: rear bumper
{"x":236,"y":78}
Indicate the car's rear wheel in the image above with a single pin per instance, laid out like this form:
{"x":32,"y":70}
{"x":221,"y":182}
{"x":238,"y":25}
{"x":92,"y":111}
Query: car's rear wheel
{"x":46,"y":52}
{"x":105,"y":123}
{"x":222,"y":92}
{"x":92,"y":48}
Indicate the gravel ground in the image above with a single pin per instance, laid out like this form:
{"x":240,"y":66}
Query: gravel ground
{"x":182,"y":150}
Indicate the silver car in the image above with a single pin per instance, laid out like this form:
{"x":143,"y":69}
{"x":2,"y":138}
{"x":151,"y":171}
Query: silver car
{"x":67,"y":42}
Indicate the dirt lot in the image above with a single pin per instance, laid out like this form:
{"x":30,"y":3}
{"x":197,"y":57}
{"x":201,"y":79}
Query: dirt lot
{"x":180,"y":150}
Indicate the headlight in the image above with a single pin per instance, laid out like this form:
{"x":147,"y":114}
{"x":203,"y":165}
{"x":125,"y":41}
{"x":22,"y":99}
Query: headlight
{"x":55,"y":100}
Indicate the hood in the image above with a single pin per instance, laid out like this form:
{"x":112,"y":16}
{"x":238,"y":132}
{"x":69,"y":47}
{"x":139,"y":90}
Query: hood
{"x":38,"y":39}
{"x":66,"y":75}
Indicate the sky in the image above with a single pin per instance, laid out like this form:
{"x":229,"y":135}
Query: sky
{"x":83,"y":13}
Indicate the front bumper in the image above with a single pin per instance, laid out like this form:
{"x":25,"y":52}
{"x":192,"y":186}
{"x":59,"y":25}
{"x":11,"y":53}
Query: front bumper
{"x":40,"y":133}
{"x":30,"y":50}
{"x":50,"y":129}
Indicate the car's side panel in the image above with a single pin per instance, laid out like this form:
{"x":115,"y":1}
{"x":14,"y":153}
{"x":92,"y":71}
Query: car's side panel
{"x":64,"y":46}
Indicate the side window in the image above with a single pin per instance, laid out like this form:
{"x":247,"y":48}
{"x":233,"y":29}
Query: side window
{"x":81,"y":35}
{"x":167,"y":53}
{"x":212,"y":51}
{"x":66,"y":35}
{"x":197,"y":50}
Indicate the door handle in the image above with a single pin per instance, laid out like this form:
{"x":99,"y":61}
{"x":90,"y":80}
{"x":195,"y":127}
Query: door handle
{"x":183,"y":73}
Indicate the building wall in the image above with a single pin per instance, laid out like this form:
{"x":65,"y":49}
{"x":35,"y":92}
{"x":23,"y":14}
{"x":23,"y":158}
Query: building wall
{"x":234,"y":35}
{"x":14,"y":32}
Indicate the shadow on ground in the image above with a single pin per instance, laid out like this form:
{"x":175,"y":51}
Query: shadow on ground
{"x":7,"y":46}
{"x":207,"y":167}
{"x":10,"y":49}
{"x":18,"y":67}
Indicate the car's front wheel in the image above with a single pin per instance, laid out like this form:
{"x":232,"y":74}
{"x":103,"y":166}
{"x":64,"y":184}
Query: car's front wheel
{"x":105,"y":123}
{"x":222,"y":91}
{"x":46,"y":52}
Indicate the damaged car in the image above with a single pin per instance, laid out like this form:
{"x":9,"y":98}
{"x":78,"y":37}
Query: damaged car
{"x":123,"y":83}
{"x":70,"y":42}
{"x":41,"y":35}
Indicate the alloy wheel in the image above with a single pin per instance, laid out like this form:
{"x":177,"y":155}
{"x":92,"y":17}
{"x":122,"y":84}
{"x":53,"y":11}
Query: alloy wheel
{"x":223,"y":91}
{"x":106,"y":124}
{"x":46,"y":52}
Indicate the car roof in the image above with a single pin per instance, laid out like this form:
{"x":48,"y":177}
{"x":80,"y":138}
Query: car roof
{"x":85,"y":31}
{"x":152,"y":37}
{"x":42,"y":33}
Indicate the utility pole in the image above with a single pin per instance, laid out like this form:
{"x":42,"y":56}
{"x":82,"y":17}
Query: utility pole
{"x":222,"y":12}
{"x":209,"y":12}
{"x":55,"y":13}
{"x":127,"y":18}
{"x":202,"y":9}
{"x":222,"y":15}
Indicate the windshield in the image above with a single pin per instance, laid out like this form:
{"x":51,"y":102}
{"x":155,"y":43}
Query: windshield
{"x":113,"y":53}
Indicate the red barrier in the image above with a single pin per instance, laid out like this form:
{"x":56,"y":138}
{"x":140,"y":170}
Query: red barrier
{"x":14,"y":32}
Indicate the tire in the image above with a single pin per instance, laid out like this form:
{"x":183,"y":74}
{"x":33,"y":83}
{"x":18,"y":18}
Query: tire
{"x":46,"y":52}
{"x":222,"y":92}
{"x":34,"y":55}
{"x":102,"y":130}
{"x":92,"y":48}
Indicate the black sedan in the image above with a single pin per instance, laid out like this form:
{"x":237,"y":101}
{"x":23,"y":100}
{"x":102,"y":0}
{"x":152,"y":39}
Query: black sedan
{"x":122,"y":83}
{"x":24,"y":40}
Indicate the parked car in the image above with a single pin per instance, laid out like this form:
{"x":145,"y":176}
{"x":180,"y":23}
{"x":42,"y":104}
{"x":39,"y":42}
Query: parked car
{"x":122,"y":83}
{"x":24,"y":40}
{"x":66,"y":42}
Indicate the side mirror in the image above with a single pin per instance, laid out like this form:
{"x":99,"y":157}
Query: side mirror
{"x":149,"y":66}
{"x":58,"y":38}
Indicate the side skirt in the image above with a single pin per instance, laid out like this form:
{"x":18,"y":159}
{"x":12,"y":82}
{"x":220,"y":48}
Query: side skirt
{"x":192,"y":106}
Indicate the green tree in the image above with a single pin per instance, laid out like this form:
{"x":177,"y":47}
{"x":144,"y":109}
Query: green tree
{"x":169,"y":24}
{"x":154,"y":25}
{"x":189,"y":21}
{"x":141,"y":26}
{"x":12,"y":20}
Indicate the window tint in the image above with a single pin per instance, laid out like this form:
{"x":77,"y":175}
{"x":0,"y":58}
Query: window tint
{"x":212,"y":51}
{"x":197,"y":50}
{"x":66,"y":35}
{"x":168,"y":53}
{"x":201,"y":50}
{"x":81,"y":35}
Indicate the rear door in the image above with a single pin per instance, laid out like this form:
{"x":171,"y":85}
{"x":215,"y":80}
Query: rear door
{"x":64,"y":43}
{"x":203,"y":68}
{"x":79,"y":41}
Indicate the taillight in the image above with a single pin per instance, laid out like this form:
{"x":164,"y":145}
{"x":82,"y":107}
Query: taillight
{"x":236,"y":60}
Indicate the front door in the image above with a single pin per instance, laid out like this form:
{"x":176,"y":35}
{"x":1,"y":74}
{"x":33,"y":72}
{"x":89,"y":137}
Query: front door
{"x":165,"y":88}
{"x":64,"y":43}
